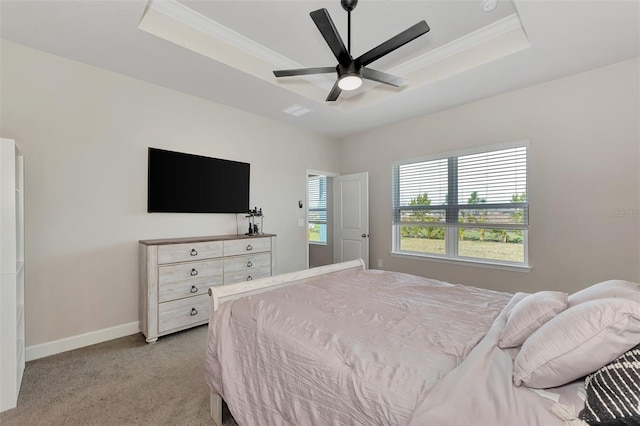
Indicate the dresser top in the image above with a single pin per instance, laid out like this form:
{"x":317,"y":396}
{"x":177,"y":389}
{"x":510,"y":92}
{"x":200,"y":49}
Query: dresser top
{"x":184,"y":240}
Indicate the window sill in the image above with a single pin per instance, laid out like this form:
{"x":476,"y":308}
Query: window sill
{"x":464,"y":261}
{"x":317,"y":243}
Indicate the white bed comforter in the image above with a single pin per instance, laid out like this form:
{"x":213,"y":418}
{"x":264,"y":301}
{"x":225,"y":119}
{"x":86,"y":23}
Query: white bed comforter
{"x":352,"y":348}
{"x":480,"y":391}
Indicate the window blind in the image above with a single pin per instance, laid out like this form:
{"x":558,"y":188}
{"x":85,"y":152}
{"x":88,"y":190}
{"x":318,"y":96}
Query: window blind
{"x":317,"y":203}
{"x":487,"y":189}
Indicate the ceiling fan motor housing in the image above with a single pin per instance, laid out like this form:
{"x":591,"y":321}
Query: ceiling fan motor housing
{"x":354,"y":68}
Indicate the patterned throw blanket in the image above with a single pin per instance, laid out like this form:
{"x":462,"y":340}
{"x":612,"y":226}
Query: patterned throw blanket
{"x":613,"y":392}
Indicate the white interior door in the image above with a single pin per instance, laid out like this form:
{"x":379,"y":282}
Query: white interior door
{"x":351,"y":218}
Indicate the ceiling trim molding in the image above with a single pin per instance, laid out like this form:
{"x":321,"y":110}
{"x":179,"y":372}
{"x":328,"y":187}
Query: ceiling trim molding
{"x":466,"y":42}
{"x":207,"y":25}
{"x":440,"y":57}
{"x":202,"y":23}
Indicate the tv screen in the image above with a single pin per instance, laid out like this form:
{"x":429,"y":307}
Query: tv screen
{"x":187,"y":183}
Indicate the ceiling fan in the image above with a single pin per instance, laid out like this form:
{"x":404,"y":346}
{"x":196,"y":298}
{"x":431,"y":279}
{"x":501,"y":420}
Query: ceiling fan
{"x":351,"y":71}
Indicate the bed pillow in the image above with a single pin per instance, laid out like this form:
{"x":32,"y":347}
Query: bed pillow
{"x":611,"y":288}
{"x":613,"y":392}
{"x":577,"y":342}
{"x":529,"y":314}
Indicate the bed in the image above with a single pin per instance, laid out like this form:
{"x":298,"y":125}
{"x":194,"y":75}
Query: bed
{"x":342,"y":345}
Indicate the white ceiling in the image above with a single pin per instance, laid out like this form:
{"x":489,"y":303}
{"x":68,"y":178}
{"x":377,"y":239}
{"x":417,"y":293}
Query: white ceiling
{"x":225,"y":50}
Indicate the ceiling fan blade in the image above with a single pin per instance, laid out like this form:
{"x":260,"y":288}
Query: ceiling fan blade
{"x":335,"y":92}
{"x":383,"y":77}
{"x":304,"y":71}
{"x":393,"y":43}
{"x":324,"y":23}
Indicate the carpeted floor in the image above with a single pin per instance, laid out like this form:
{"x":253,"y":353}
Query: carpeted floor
{"x":121,"y":382}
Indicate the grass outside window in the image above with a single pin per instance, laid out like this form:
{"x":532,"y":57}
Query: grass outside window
{"x":491,"y":244}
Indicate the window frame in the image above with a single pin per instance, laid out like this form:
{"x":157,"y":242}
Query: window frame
{"x":451,"y":228}
{"x":309,"y":209}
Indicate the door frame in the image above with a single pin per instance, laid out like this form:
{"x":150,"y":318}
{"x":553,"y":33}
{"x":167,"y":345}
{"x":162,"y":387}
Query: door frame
{"x":361,"y":233}
{"x":306,"y":208}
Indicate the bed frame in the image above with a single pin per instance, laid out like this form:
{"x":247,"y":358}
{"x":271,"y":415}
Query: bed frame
{"x":222,"y":294}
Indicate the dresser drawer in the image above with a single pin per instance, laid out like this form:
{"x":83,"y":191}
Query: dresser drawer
{"x":188,"y":279}
{"x":240,"y":276}
{"x":247,"y":263}
{"x":246,"y":246}
{"x":173,"y":253}
{"x":190,"y":271}
{"x":183,"y":312}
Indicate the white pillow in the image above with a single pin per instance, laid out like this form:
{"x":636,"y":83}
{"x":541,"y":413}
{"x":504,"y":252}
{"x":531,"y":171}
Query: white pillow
{"x":577,"y":342}
{"x":611,"y":288}
{"x":529,"y":314}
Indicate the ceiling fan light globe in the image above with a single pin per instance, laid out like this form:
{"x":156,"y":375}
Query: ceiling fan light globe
{"x":350,"y":82}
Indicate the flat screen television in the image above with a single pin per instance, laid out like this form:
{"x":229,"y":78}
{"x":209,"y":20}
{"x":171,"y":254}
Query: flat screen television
{"x":187,"y":183}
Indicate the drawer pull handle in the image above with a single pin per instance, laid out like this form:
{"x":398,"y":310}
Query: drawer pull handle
{"x":193,"y":252}
{"x":194,"y":289}
{"x":193,"y":312}
{"x":193,"y":272}
{"x":249,"y":264}
{"x":249,"y":247}
{"x":249,"y":278}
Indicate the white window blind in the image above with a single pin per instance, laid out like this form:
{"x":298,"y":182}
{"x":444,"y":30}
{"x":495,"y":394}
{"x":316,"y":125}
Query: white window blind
{"x":317,"y":203}
{"x":487,"y":188}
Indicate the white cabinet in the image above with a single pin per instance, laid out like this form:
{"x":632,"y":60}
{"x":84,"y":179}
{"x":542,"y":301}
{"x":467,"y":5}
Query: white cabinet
{"x":12,"y":345}
{"x":176,"y":273}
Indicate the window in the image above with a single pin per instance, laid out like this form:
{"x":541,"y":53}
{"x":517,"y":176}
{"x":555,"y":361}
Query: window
{"x":466,"y":206}
{"x":317,"y":208}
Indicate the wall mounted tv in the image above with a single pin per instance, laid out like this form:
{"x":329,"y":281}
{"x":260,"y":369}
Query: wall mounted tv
{"x":187,"y":183}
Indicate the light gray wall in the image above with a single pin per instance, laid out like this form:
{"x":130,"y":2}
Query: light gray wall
{"x":584,"y":134}
{"x":84,"y":133}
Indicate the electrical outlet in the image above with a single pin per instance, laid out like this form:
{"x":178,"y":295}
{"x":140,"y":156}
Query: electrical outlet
{"x":380,"y":263}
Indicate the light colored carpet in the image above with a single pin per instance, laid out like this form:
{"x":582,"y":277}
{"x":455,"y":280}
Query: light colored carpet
{"x":121,"y":382}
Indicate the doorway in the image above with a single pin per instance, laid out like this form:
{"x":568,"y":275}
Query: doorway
{"x":337,"y":212}
{"x":319,"y":216}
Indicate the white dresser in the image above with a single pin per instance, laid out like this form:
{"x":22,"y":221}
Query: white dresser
{"x":176,"y":273}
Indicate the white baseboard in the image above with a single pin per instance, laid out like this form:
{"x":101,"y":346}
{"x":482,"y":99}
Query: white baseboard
{"x":74,"y":342}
